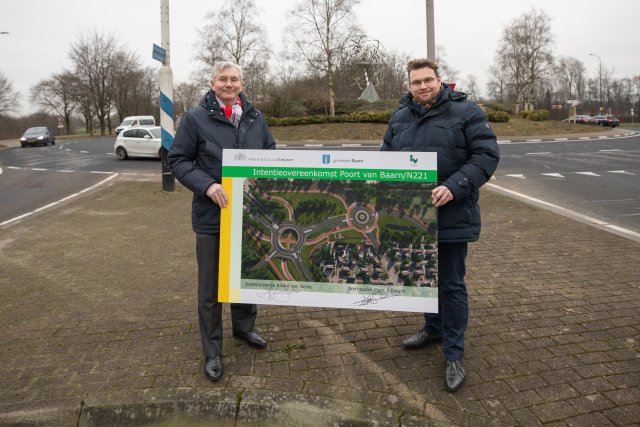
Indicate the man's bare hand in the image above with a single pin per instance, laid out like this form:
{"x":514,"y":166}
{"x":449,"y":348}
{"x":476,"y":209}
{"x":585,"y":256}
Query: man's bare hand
{"x":216,"y":193}
{"x":441,"y":195}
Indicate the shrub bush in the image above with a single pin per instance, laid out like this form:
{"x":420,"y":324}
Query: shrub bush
{"x":536,"y":115}
{"x":497,"y":106}
{"x":498,"y":116}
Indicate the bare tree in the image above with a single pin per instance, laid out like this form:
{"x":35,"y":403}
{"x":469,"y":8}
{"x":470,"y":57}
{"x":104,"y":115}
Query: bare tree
{"x":471,"y":87}
{"x":94,"y":57}
{"x":318,"y":33}
{"x":446,"y":71}
{"x":497,"y":85}
{"x":56,"y":94}
{"x":570,"y":73}
{"x":186,"y":96}
{"x":9,"y":99}
{"x":126,"y":76}
{"x":235,"y":34}
{"x":525,"y":54}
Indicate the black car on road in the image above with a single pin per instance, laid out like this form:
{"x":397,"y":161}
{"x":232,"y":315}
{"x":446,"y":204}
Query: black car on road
{"x":606,"y":121}
{"x":38,"y":135}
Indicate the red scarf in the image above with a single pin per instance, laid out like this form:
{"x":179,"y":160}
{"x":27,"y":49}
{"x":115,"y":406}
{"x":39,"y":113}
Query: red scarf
{"x":228,"y":109}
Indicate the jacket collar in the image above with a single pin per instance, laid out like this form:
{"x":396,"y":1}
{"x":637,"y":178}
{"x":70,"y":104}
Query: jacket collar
{"x":210,"y":103}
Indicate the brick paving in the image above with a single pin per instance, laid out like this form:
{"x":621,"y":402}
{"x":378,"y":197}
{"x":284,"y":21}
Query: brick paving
{"x":98,"y":326}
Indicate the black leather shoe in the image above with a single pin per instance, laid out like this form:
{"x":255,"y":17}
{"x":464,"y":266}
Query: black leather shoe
{"x":420,"y":339}
{"x":213,"y":368}
{"x":454,"y":374}
{"x":252,"y":338}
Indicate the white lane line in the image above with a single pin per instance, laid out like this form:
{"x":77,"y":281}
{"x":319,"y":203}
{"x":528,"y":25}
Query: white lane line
{"x":38,"y":169}
{"x":0,"y":171}
{"x":538,"y":154}
{"x":569,"y":213}
{"x":351,"y":145}
{"x":560,"y":139}
{"x":516,"y":175}
{"x":585,"y":137}
{"x":13,"y":167}
{"x":65,"y":170}
{"x":84,"y":152}
{"x":503,"y":141}
{"x":64,"y":199}
{"x":622,"y":172}
{"x":534,"y":140}
{"x":607,"y":151}
{"x":313,"y":145}
{"x":603,"y":137}
{"x":638,"y":214}
{"x":613,"y":201}
{"x":281,"y":145}
{"x":555,"y":175}
{"x":100,"y":172}
{"x":587,"y":173}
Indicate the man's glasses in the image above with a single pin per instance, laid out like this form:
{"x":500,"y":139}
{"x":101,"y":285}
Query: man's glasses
{"x":428,"y":81}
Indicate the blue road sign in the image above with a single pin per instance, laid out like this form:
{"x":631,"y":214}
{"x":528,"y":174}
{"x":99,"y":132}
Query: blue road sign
{"x":159,"y":54}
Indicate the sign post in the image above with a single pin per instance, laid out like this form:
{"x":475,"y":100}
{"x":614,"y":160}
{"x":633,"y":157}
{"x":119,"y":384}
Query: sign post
{"x":166,"y":96}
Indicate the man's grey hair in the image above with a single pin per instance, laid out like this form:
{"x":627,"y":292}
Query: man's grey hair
{"x":220,"y":66}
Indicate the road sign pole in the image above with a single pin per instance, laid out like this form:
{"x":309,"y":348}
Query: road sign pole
{"x":165,"y":78}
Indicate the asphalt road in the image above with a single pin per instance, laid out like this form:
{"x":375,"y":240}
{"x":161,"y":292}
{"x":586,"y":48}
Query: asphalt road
{"x":34,"y":177}
{"x":598,"y":178}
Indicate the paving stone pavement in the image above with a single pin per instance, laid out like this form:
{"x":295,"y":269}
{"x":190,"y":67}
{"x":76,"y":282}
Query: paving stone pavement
{"x":99,"y":327}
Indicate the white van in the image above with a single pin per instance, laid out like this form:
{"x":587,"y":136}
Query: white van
{"x":136,"y":121}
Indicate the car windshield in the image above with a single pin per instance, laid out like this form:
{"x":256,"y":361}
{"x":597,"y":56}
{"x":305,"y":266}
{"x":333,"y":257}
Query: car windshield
{"x":126,"y":123}
{"x":34,"y":131}
{"x":155,"y":132}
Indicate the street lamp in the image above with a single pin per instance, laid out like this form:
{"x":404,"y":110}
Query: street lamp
{"x":431,"y":42}
{"x":599,"y":80}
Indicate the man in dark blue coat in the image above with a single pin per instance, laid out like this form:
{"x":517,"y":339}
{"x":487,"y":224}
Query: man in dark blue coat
{"x":224,"y":119}
{"x":434,"y":118}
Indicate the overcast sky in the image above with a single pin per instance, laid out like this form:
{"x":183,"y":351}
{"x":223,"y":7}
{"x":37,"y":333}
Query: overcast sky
{"x":41,"y":31}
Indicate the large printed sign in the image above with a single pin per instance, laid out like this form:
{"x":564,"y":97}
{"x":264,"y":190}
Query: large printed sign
{"x":338,"y":229}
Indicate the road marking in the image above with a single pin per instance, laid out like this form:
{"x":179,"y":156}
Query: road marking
{"x":560,"y":139}
{"x":603,"y":137}
{"x":534,"y":140}
{"x":0,"y":171}
{"x":65,"y":170}
{"x":38,"y":169}
{"x":351,"y":145}
{"x":100,"y":172}
{"x":516,"y":176}
{"x":587,"y":173}
{"x":84,"y":152}
{"x":613,"y":200}
{"x":64,"y":199}
{"x":638,"y":214}
{"x":13,"y":167}
{"x":585,"y":137}
{"x":607,"y":151}
{"x":313,"y":145}
{"x":603,"y":225}
{"x":538,"y":154}
{"x":503,"y":141}
{"x":555,"y":175}
{"x":622,"y":172}
{"x":281,"y":145}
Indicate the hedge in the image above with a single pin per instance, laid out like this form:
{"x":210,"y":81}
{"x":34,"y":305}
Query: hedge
{"x":498,"y":116}
{"x":536,"y":115}
{"x":355,"y":117}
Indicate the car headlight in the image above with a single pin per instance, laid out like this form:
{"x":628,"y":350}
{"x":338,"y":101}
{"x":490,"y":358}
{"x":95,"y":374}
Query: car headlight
{"x":23,"y":139}
{"x":41,"y":137}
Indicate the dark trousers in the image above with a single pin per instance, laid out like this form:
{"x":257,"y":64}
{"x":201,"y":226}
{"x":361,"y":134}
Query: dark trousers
{"x":453,"y":308}
{"x":243,"y":316}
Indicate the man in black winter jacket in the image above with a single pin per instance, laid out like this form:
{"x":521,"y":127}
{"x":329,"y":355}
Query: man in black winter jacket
{"x":434,"y":118}
{"x":224,"y":119}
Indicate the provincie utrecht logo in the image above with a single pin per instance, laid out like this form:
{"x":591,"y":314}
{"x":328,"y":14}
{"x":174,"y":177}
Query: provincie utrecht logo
{"x":326,"y":159}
